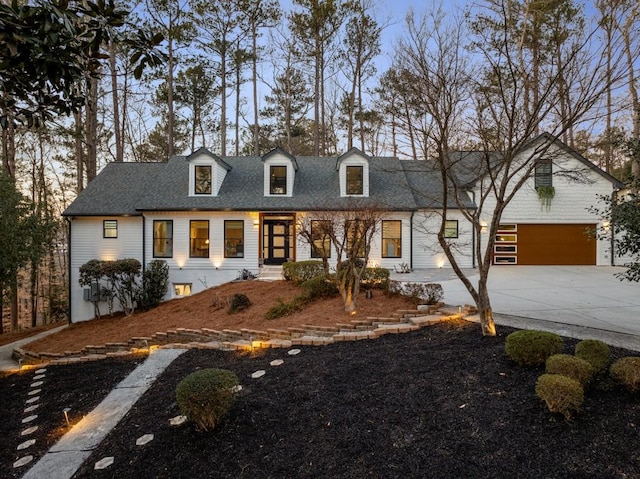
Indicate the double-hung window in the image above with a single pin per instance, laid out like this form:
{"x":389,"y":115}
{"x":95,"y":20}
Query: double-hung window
{"x":451,"y":229}
{"x":320,"y":239}
{"x":392,"y":239}
{"x":543,"y":173}
{"x":162,"y":238}
{"x":234,"y":239}
{"x":110,"y":229}
{"x":199,"y":239}
{"x":202,"y":178}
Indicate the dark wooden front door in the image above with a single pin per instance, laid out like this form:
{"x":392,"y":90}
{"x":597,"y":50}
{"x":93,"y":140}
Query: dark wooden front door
{"x":276,"y":241}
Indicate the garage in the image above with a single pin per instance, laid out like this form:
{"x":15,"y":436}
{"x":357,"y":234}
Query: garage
{"x":545,"y":244}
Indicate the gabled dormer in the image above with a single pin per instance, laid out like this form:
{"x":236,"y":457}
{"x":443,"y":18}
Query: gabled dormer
{"x":353,"y":170}
{"x":206,"y":173}
{"x":279,"y":173}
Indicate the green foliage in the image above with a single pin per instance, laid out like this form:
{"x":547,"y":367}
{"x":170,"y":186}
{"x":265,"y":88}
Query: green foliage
{"x":318,"y":288}
{"x":532,"y":348}
{"x":562,"y":395}
{"x":285,"y":309}
{"x":595,"y":352}
{"x":545,"y":195}
{"x":419,"y":293}
{"x":375,"y":278}
{"x":49,"y":48}
{"x":570,"y":366}
{"x":155,"y":284}
{"x":206,"y":396}
{"x":627,"y":372}
{"x":239,"y":302}
{"x":301,"y":271}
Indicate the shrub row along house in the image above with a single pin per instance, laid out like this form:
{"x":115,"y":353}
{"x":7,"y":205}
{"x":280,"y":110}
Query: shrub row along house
{"x":210,"y":217}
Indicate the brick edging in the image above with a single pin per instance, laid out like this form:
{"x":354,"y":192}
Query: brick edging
{"x":247,"y":339}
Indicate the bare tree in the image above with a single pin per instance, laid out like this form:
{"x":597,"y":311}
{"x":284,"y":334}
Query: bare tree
{"x":350,"y":233}
{"x":487,"y":102}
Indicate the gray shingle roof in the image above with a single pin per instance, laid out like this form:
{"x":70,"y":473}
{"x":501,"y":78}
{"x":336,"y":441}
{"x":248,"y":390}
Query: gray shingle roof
{"x":130,"y":188}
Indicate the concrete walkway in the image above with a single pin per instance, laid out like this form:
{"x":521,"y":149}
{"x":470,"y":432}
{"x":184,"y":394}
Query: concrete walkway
{"x":69,"y":453}
{"x":7,"y":363}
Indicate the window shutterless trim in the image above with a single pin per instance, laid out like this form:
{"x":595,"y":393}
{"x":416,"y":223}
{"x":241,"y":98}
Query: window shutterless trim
{"x":109,"y":225}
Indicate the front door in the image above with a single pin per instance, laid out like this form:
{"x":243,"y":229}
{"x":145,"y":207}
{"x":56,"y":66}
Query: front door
{"x":276,"y":241}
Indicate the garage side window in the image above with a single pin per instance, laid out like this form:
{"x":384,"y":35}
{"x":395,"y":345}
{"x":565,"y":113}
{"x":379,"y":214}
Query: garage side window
{"x":543,"y":173}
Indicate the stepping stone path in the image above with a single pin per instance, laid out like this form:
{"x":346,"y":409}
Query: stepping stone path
{"x":32,"y":403}
{"x":293,"y":352}
{"x":277,"y":362}
{"x":146,"y":439}
{"x":103,"y":463}
{"x":177,"y":421}
{"x":258,"y":374}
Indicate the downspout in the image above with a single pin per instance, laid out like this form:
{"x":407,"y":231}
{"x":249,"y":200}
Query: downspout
{"x":473,"y":234}
{"x":69,"y":267}
{"x":411,"y":240}
{"x":144,"y":244}
{"x":612,"y":242}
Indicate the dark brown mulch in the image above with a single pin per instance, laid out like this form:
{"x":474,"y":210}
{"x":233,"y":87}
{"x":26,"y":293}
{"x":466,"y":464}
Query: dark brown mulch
{"x":77,"y":387}
{"x":442,"y":402}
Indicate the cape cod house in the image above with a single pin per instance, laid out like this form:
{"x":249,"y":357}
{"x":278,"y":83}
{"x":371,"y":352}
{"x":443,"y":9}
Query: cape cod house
{"x":210,"y":217}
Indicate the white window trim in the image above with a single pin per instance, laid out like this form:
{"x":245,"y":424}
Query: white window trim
{"x":354,"y":161}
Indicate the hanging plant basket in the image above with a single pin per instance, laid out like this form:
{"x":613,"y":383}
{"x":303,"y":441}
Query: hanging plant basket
{"x":546,"y":194}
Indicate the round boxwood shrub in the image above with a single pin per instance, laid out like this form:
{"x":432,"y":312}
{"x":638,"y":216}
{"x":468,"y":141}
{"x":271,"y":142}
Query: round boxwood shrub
{"x":206,"y":396}
{"x":595,"y":352}
{"x":627,"y":372}
{"x":570,"y":366}
{"x":561,"y":394}
{"x":318,"y":288}
{"x":532,"y":348}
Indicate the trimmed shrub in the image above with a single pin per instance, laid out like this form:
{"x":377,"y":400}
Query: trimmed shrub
{"x":595,"y":352}
{"x":285,"y":309}
{"x":206,"y":396}
{"x":377,"y":278}
{"x":627,"y":372}
{"x":570,"y":366}
{"x":532,"y":348}
{"x":155,"y":284}
{"x":561,"y":394}
{"x":239,"y":302}
{"x":301,"y":271}
{"x":318,"y":288}
{"x":419,"y":293}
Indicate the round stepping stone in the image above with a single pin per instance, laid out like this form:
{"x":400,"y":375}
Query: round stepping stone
{"x":36,"y":384}
{"x":293,"y":352}
{"x":31,"y":408}
{"x":277,"y":362}
{"x":26,"y":444}
{"x":41,"y":371}
{"x":39,"y":376}
{"x":33,"y":399}
{"x":146,"y":439}
{"x":103,"y":463}
{"x":33,"y":392}
{"x":29,"y":419}
{"x":29,"y":430}
{"x":23,"y":461}
{"x":178,"y":420}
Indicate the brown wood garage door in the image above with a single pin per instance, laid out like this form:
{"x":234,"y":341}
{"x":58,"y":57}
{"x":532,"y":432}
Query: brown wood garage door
{"x":547,"y":244}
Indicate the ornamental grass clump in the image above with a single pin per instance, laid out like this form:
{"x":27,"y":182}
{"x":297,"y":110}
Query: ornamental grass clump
{"x":595,"y":352}
{"x":206,"y":396}
{"x":532,"y":348}
{"x":561,"y":394}
{"x":570,"y":366}
{"x":627,"y":372}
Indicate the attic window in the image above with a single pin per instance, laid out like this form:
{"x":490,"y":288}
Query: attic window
{"x":278,"y":180}
{"x":202,"y":185}
{"x":355,"y":175}
{"x":543,"y":173}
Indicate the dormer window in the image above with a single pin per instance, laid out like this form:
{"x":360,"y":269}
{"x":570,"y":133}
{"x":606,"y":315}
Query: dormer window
{"x":202,"y":180}
{"x":355,"y":176}
{"x":278,"y":180}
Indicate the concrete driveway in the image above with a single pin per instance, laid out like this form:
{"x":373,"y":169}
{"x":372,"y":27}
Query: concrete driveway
{"x":586,"y":296}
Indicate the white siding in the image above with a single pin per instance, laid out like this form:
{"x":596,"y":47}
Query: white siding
{"x":87,"y":243}
{"x":570,"y":204}
{"x":427,"y":252}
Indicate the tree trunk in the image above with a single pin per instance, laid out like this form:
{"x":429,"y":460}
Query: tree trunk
{"x":170,"y":112}
{"x":223,"y":99}
{"x":14,"y":304}
{"x":118,"y":134}
{"x":92,"y":129}
{"x":254,"y":79}
{"x":79,"y":152}
{"x":485,"y":312}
